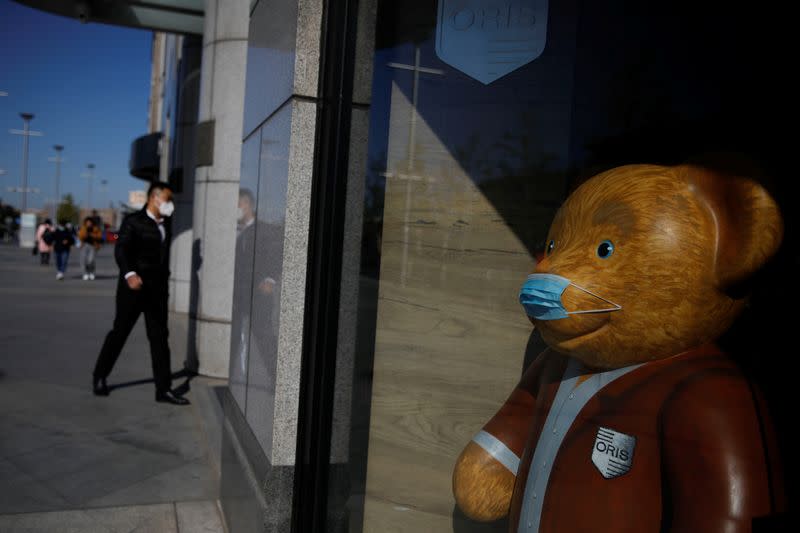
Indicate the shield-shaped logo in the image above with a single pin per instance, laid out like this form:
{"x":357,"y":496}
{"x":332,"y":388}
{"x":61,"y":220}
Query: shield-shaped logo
{"x":487,"y":39}
{"x":612,"y":453}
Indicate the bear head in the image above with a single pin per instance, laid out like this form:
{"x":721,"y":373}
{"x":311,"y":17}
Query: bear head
{"x":657,"y":255}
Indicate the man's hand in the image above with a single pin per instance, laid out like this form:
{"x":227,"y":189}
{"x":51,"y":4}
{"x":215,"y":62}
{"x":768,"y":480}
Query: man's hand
{"x":134,"y":282}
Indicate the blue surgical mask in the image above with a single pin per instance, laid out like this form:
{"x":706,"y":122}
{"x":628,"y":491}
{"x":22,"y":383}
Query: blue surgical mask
{"x":541,"y":297}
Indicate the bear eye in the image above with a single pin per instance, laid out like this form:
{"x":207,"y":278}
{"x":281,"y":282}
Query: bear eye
{"x":550,"y":247}
{"x":605,"y":249}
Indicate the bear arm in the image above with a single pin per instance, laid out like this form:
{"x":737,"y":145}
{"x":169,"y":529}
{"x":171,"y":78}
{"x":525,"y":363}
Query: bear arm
{"x":482,"y":486}
{"x":715,"y":473}
{"x":485,"y":472}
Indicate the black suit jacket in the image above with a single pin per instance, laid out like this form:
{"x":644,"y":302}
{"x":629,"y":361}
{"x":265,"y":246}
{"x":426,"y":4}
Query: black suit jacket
{"x":140,"y":249}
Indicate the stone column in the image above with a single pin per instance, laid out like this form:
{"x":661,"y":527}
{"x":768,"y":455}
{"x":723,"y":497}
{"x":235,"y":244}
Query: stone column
{"x":217,"y":181}
{"x":181,"y":175}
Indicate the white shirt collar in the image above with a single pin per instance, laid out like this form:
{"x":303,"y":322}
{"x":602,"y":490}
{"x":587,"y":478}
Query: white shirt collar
{"x":241,"y":227}
{"x":157,"y":220}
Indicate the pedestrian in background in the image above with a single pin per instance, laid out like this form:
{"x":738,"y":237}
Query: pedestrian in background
{"x":63,"y":240}
{"x":142,"y":254}
{"x":90,"y":237}
{"x":44,"y":241}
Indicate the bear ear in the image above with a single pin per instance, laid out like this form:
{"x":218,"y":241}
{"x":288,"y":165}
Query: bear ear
{"x":749,"y":223}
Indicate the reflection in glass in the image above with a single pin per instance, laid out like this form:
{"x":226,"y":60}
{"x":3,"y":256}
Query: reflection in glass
{"x":469,"y":186}
{"x":268,"y":229}
{"x":270,"y":60}
{"x":462,"y":183}
{"x":243,"y":271}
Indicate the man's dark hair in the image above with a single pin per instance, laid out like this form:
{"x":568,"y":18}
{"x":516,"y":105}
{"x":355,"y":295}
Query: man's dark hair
{"x":247,"y":193}
{"x":88,"y":219}
{"x":157,"y":186}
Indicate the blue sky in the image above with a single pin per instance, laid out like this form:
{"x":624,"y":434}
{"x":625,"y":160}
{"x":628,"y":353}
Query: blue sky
{"x":88,"y":85}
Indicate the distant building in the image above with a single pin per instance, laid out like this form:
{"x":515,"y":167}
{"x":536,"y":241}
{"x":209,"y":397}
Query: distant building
{"x":137,"y":199}
{"x":46,"y":211}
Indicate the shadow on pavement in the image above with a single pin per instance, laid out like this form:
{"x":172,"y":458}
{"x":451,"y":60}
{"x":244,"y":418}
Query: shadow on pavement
{"x":97,"y":277}
{"x":180,"y":390}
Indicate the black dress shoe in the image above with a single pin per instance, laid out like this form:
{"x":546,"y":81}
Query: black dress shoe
{"x":100,"y":386}
{"x":169,"y":397}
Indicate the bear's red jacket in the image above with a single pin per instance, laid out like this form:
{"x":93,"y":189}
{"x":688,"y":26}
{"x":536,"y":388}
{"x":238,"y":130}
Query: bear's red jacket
{"x":679,"y":444}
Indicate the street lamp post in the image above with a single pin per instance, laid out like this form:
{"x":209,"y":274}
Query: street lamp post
{"x":103,"y":191}
{"x":57,"y":160}
{"x":25,"y":132}
{"x":89,"y":176}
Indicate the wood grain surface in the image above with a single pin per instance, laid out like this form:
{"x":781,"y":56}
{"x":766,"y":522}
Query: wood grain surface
{"x":450,"y":341}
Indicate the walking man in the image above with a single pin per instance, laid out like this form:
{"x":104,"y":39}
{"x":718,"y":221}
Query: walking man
{"x":142,"y":254}
{"x":90,"y":237}
{"x":63,"y":240}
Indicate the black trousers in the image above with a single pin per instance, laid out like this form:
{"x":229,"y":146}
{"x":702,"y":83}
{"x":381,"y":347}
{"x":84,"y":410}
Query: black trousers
{"x":152,"y":301}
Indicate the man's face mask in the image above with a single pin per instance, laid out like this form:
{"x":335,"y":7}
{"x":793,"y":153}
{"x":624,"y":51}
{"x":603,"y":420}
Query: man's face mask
{"x":165,"y":209}
{"x":541,"y":297}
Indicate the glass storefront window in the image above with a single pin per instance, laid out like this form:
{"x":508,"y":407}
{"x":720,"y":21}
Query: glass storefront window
{"x":247,"y":212}
{"x":470,"y":155}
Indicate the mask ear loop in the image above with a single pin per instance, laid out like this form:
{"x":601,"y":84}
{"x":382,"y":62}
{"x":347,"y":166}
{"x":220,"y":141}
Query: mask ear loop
{"x":616,"y":307}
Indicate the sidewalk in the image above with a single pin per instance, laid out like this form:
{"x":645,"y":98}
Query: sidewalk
{"x":70,"y":461}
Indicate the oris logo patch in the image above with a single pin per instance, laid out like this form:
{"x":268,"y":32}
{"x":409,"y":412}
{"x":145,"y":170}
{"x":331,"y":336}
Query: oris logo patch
{"x":487,"y":39}
{"x":612,"y":453}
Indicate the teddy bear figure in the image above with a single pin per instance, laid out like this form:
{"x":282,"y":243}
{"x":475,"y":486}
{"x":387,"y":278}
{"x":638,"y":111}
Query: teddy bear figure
{"x":633,"y":420}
